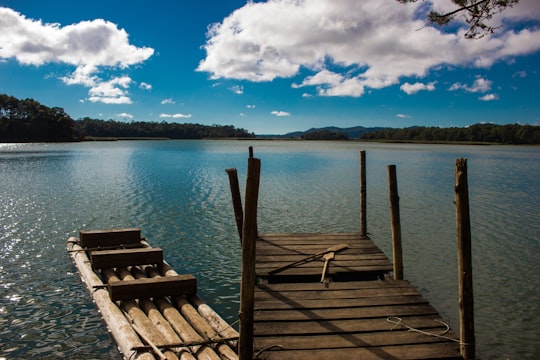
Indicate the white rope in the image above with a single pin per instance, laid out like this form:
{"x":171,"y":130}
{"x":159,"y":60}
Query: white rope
{"x":399,"y":322}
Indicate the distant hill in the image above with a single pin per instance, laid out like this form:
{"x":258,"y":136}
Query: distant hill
{"x":352,"y":132}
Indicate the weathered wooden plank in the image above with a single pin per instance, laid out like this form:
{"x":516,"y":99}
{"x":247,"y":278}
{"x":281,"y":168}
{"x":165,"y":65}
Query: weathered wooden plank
{"x":307,"y":251}
{"x":125,"y":257}
{"x":262,"y":259}
{"x":111,"y":237}
{"x":336,"y":294}
{"x":288,"y":328}
{"x":404,"y":352}
{"x":337,"y":263}
{"x":346,"y":340}
{"x":155,"y":287}
{"x":355,"y":285}
{"x":344,"y":313}
{"x":339,"y":303}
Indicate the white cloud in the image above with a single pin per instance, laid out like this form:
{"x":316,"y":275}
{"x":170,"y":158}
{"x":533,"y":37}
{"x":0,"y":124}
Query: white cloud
{"x":145,"y":86}
{"x":342,"y":48}
{"x":87,"y":45}
{"x":250,"y":106}
{"x":167,"y":101}
{"x":237,"y":89}
{"x":410,"y":89}
{"x":403,"y":116}
{"x":279,"y":113}
{"x":124,"y":115}
{"x":489,"y":97}
{"x":111,"y":92}
{"x":480,"y":85}
{"x":176,"y":116}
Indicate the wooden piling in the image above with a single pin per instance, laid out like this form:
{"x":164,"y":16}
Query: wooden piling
{"x":397,"y":250}
{"x":249,"y":237}
{"x":463,"y":227}
{"x":236,"y":200}
{"x":363,"y":192}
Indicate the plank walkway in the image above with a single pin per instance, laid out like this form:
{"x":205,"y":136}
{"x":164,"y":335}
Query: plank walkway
{"x":357,"y":312}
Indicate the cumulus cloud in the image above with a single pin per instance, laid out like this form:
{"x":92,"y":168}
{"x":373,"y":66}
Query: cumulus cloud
{"x":280,"y":113}
{"x":124,"y":115}
{"x":175,"y":116}
{"x":250,"y":106}
{"x":167,"y":101}
{"x":480,"y":85}
{"x":87,"y":45}
{"x":343,"y":48}
{"x":145,"y":86}
{"x":489,"y":97}
{"x":410,"y":89}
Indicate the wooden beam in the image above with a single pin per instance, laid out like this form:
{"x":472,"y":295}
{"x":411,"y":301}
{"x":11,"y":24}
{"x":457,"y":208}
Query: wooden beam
{"x":463,"y":227}
{"x":125,"y":257}
{"x":397,"y":250}
{"x":110,"y":237}
{"x":155,"y":287}
{"x":236,"y":200}
{"x":363,"y":196}
{"x":248,"y":279}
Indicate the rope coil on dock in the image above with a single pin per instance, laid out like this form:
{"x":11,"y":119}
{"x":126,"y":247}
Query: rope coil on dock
{"x":397,"y":321}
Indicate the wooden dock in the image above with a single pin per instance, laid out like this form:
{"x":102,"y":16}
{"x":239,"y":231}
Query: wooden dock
{"x":150,"y":311}
{"x":330,"y":295}
{"x":356,"y":312}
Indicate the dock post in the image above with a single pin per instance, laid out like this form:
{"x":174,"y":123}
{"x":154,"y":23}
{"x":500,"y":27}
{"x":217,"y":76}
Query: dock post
{"x":249,"y":237}
{"x":363,"y":202}
{"x":463,"y":227}
{"x":236,"y":199}
{"x":397,"y":250}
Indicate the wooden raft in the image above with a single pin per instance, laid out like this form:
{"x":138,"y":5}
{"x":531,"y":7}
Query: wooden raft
{"x":151,"y":311}
{"x":356,"y":312}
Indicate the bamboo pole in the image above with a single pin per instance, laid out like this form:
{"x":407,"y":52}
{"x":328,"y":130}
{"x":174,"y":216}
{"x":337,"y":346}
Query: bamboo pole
{"x":120,"y":328}
{"x":249,"y":237}
{"x":236,"y":199}
{"x":363,"y":192}
{"x":463,"y":227}
{"x":397,"y":250}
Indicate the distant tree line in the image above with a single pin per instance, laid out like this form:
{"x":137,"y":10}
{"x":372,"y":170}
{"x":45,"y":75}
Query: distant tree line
{"x":139,"y":129}
{"x":29,"y":121}
{"x":503,"y":134}
{"x":324,"y":135}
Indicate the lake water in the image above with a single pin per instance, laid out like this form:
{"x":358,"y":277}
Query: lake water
{"x":178,"y":193}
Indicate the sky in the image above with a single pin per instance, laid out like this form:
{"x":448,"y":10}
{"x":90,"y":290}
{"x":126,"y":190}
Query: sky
{"x":271,"y":67}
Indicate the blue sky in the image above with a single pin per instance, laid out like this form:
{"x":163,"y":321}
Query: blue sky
{"x":270,"y":67}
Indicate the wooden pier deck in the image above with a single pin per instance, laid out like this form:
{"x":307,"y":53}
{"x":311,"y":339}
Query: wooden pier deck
{"x":150,"y":311}
{"x":356,"y":312}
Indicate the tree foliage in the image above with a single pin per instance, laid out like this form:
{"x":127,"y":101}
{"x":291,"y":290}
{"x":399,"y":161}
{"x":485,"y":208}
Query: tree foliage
{"x":502,"y":134}
{"x":140,"y":129}
{"x":29,"y":121}
{"x":477,"y":14}
{"x":324,"y":135}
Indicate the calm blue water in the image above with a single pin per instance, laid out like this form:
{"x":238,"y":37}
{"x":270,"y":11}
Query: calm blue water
{"x":178,"y":193}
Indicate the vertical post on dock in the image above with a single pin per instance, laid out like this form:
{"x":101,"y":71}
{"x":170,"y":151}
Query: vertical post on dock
{"x":236,"y":200}
{"x":397,"y":250}
{"x":249,"y":237}
{"x":363,"y":202}
{"x":463,"y":227}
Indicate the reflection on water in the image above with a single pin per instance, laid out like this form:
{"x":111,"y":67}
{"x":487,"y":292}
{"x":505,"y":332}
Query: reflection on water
{"x":178,"y":193}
